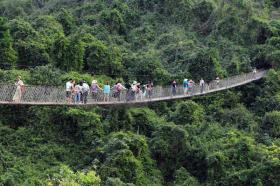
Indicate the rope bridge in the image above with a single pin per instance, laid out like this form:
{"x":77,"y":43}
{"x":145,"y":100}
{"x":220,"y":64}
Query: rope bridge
{"x":50,"y":95}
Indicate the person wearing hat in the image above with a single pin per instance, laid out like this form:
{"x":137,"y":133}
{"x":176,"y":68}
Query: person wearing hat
{"x":19,"y":90}
{"x":185,"y":86}
{"x":94,"y":89}
{"x":134,"y":88}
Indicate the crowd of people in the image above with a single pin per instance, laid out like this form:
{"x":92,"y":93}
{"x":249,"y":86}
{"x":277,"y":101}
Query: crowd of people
{"x":78,"y":92}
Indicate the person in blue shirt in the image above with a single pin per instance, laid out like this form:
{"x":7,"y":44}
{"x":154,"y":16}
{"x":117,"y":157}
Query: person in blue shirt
{"x":106,"y":91}
{"x":185,"y":86}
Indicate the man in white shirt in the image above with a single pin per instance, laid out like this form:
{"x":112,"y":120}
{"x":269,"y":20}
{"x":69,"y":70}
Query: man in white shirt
{"x":201,"y":84}
{"x":85,"y":91}
{"x":69,"y":87}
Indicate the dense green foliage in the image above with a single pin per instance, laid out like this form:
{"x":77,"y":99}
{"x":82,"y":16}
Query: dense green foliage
{"x":226,"y":138}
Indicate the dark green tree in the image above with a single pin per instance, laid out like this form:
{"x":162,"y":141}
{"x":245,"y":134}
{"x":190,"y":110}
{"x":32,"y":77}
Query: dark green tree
{"x":271,"y":124}
{"x":8,"y":55}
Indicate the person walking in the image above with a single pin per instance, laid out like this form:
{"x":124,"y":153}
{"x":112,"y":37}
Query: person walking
{"x":254,"y":73}
{"x":202,"y":85}
{"x":106,"y":91}
{"x":173,"y":88}
{"x":73,"y":93}
{"x":94,"y":90}
{"x":118,"y":88}
{"x":115,"y":91}
{"x":77,"y":92}
{"x":149,"y":88}
{"x":69,"y":86}
{"x":19,"y":90}
{"x":191,"y":85}
{"x":185,"y":86}
{"x":128,"y":91}
{"x":133,"y":90}
{"x":217,"y":82}
{"x":138,"y":92}
{"x":85,"y":92}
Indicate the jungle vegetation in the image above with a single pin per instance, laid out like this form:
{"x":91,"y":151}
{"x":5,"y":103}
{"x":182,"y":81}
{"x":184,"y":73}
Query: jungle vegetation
{"x":226,"y":138}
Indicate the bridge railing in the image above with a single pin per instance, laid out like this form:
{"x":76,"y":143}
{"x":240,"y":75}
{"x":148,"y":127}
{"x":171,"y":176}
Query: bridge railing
{"x":51,"y":94}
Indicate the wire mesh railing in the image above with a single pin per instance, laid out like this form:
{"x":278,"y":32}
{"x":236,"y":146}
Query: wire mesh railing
{"x":50,"y":95}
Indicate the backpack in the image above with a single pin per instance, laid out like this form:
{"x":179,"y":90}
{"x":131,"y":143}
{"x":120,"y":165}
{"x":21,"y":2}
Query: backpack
{"x":22,"y":88}
{"x":119,"y":88}
{"x":94,"y":88}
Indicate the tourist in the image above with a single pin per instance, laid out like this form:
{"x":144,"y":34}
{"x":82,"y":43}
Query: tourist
{"x":185,"y":86}
{"x":202,"y":85}
{"x":217,"y":82}
{"x":118,"y":88}
{"x":106,"y":91}
{"x":94,"y":90}
{"x":69,"y":85}
{"x":254,"y":73}
{"x":129,"y":92}
{"x":173,"y":88}
{"x":77,"y":92}
{"x":133,"y":90}
{"x":190,"y":86}
{"x":19,"y":90}
{"x":138,"y":92}
{"x":85,"y":91}
{"x":149,"y":87}
{"x":144,"y":91}
{"x":115,"y":90}
{"x":73,"y":93}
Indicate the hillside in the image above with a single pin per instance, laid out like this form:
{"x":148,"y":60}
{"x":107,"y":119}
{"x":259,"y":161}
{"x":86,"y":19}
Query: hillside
{"x":226,"y":138}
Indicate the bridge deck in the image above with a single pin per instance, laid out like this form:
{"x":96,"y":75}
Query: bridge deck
{"x":50,"y":96}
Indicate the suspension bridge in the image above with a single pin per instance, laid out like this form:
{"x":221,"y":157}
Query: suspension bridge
{"x":50,"y":95}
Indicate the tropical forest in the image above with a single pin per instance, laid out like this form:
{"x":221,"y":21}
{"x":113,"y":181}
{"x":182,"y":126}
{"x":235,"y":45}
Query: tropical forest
{"x":229,"y":137}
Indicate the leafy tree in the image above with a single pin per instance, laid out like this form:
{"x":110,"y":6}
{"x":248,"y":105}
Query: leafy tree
{"x":67,"y":177}
{"x":239,"y":117}
{"x":205,"y":65}
{"x":67,"y":20}
{"x":183,"y":178}
{"x":16,"y":8}
{"x":49,"y":28}
{"x":101,"y":58}
{"x":68,"y":54}
{"x":10,"y":76}
{"x":7,"y":53}
{"x":113,"y":20}
{"x":188,"y":112}
{"x":116,"y":182}
{"x":271,"y":124}
{"x":45,"y":75}
{"x":169,"y":145}
{"x":147,"y":67}
{"x":28,"y":43}
{"x":126,"y":156}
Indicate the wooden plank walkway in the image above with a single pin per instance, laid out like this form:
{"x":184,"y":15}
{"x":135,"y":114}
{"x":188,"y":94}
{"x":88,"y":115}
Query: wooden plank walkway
{"x":228,"y":83}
